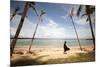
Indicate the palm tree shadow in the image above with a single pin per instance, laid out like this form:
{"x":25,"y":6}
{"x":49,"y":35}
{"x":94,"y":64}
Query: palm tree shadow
{"x":27,"y":60}
{"x":81,"y":57}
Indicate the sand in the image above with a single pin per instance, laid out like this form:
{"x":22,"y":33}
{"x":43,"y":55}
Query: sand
{"x":51,"y":56}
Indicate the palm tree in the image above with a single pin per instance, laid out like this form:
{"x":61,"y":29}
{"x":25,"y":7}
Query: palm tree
{"x":13,"y":43}
{"x":19,"y":28}
{"x":88,"y":11}
{"x":71,"y":14}
{"x":14,"y":13}
{"x":40,"y":18}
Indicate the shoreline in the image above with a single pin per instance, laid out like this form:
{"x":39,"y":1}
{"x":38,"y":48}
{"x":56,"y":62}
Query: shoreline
{"x":88,"y":48}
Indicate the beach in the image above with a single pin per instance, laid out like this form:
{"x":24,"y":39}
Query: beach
{"x":50,"y":55}
{"x":54,"y":38}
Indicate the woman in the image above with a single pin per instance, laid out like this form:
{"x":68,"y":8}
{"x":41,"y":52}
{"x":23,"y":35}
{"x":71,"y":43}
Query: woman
{"x":65,"y":47}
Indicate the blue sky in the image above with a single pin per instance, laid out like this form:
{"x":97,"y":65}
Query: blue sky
{"x":56,"y":22}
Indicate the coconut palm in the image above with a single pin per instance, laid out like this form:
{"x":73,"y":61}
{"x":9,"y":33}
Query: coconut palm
{"x":13,"y":43}
{"x":88,"y":11}
{"x":71,"y":16}
{"x":14,"y":13}
{"x":40,"y":19}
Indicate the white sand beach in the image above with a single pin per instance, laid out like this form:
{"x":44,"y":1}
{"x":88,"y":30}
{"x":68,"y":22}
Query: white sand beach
{"x":50,"y":55}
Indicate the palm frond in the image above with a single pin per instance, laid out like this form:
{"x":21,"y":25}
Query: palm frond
{"x":42,"y":12}
{"x":21,"y":14}
{"x":14,"y":13}
{"x":35,"y":10}
{"x":89,"y":9}
{"x":71,"y":12}
{"x":32,"y":6}
{"x":79,"y":10}
{"x":87,"y":19}
{"x":83,"y":15}
{"x":32,"y":3}
{"x":17,"y":9}
{"x":41,"y":20}
{"x":92,"y":10}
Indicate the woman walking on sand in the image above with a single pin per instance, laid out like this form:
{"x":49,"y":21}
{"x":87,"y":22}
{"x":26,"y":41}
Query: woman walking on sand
{"x":65,"y":47}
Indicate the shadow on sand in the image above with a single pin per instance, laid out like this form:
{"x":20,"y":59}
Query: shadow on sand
{"x":27,"y":60}
{"x":81,"y":57}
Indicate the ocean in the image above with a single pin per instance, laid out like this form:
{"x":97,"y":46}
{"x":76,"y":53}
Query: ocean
{"x":54,"y":42}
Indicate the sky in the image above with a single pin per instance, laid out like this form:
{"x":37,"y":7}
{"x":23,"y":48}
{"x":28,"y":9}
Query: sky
{"x":56,"y":22}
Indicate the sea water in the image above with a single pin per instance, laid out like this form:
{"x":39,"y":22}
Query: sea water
{"x":54,"y":42}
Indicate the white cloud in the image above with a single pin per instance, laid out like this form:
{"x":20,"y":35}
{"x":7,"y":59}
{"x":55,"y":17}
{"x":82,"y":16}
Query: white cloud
{"x":50,"y":30}
{"x":81,"y":21}
{"x":64,"y":17}
{"x":27,"y":29}
{"x":84,"y":32}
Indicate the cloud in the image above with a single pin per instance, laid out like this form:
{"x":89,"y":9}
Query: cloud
{"x":77,"y":20}
{"x":81,"y":21}
{"x":27,"y":28}
{"x":49,"y":30}
{"x":83,"y":28}
{"x":84,"y":32}
{"x":64,"y":17}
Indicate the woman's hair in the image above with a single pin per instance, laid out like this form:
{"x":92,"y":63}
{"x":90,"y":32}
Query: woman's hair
{"x":65,"y":41}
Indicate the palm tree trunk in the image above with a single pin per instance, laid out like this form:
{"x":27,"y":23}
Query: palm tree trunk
{"x":90,"y":23}
{"x":34,"y":35}
{"x":76,"y":33}
{"x":13,"y":43}
{"x":13,"y":15}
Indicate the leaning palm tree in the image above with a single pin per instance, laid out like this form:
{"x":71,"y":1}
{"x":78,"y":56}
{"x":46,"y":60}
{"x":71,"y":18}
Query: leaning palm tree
{"x":88,"y":11}
{"x":71,"y":16}
{"x":13,"y":43}
{"x":14,"y":13}
{"x":40,"y":18}
{"x":19,"y":28}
